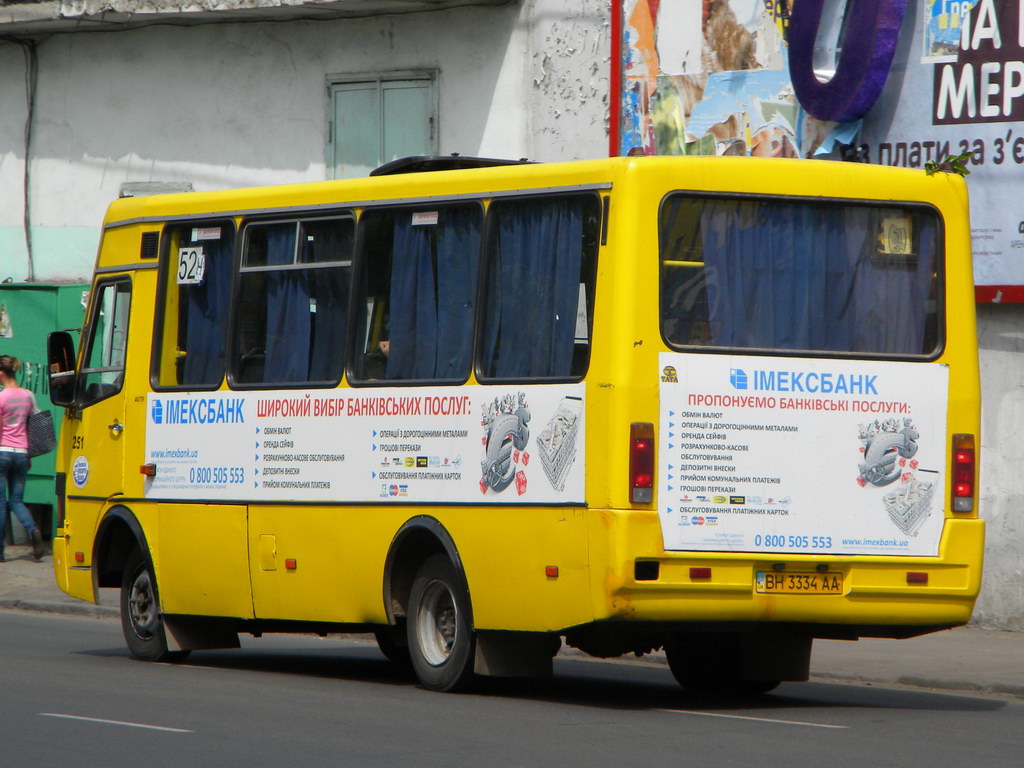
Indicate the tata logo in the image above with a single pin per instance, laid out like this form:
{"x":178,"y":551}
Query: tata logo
{"x":669,"y":375}
{"x":158,"y":412}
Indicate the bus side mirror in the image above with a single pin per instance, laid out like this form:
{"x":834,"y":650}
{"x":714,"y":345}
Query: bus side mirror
{"x":60,"y":360}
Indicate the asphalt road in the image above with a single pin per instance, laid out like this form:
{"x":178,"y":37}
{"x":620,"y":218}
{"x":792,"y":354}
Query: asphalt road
{"x":70,"y":695}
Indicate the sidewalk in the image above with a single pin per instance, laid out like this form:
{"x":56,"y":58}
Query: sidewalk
{"x":965,"y":659}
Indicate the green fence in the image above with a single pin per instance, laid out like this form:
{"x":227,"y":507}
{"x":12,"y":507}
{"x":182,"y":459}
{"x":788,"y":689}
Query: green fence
{"x":28,"y":312}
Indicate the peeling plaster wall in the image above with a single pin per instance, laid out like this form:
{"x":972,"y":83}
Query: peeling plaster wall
{"x":1001,"y":336}
{"x":12,"y":155}
{"x":230,"y":105}
{"x":227,"y":105}
{"x":569,"y":78}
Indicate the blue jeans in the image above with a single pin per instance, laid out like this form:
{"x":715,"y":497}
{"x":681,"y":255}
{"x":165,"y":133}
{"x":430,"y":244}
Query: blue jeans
{"x":13,"y":473}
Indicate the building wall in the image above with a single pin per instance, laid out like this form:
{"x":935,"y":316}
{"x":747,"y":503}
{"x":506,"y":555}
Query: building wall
{"x":238,"y":104}
{"x":230,"y":105}
{"x":1001,"y":336}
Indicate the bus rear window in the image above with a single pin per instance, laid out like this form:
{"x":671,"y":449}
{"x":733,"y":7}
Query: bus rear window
{"x":826,"y":277}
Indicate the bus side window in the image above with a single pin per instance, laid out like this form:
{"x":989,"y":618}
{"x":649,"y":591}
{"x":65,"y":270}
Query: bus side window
{"x":293,"y":302}
{"x":684,"y":279}
{"x":196,"y":289}
{"x":103,"y":364}
{"x":418,"y":290}
{"x":539,"y":290}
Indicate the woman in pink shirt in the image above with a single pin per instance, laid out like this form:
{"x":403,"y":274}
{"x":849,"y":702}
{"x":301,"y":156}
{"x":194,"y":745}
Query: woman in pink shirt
{"x":15,"y":406}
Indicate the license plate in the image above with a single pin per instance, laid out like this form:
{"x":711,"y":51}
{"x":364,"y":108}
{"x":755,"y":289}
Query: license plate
{"x":793,"y":583}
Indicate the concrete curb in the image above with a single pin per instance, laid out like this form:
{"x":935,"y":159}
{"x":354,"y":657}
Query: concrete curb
{"x":935,"y":684}
{"x":67,"y":609}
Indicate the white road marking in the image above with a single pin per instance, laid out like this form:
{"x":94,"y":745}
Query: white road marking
{"x":756,"y":719}
{"x":116,"y":722}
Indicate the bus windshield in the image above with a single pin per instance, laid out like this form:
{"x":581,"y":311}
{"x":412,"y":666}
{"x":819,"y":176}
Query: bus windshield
{"x":772,"y":274}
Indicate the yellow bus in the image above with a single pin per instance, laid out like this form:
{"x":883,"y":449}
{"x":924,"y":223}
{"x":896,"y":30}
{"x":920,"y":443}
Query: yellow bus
{"x":716,"y":406}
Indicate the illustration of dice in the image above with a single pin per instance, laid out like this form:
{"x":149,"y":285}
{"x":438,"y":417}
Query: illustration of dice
{"x":520,"y":482}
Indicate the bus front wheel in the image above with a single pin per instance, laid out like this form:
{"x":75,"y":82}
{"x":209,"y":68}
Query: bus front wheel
{"x":441,"y":642}
{"x":141,"y":622}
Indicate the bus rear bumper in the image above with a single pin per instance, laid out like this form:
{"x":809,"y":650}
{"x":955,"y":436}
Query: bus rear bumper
{"x":872,"y":596}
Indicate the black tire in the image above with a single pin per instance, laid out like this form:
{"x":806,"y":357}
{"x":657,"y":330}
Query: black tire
{"x":141,"y":621}
{"x":441,"y":642}
{"x":710,"y":671}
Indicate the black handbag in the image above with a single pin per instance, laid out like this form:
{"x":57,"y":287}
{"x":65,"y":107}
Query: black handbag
{"x":41,"y":436}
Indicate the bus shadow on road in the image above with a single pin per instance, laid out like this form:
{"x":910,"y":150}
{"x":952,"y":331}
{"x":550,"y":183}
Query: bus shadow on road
{"x":583,"y":682}
{"x":627,"y":684}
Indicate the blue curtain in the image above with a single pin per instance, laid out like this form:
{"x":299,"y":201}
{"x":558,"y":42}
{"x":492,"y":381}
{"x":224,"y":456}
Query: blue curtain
{"x":289,"y":327}
{"x":458,"y":259}
{"x":533,"y":289}
{"x":801,"y":276}
{"x":412,"y":302}
{"x":327,"y":242}
{"x":432,"y":295}
{"x":206,"y":312}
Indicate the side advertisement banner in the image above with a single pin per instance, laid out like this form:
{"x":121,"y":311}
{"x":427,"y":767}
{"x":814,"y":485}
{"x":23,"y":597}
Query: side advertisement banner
{"x":772,"y":454}
{"x":471,"y":444}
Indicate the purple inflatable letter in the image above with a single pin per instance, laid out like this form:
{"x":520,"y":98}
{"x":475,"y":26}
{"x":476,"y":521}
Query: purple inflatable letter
{"x":869,"y":41}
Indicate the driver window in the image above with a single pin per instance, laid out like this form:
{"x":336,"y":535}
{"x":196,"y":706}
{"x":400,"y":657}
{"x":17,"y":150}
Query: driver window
{"x":103,"y":364}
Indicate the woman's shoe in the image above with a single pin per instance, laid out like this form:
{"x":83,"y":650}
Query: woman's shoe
{"x":37,"y":545}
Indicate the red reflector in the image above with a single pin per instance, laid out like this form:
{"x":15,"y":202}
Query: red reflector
{"x":641,"y":462}
{"x":917,"y":577}
{"x":291,"y":564}
{"x":149,"y":470}
{"x":551,"y":570}
{"x":79,"y":557}
{"x":700,"y":573}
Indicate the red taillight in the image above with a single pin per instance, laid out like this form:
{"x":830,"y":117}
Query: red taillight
{"x":641,"y":462}
{"x":964,"y":473}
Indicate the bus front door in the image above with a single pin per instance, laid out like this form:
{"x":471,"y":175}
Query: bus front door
{"x":97,"y":430}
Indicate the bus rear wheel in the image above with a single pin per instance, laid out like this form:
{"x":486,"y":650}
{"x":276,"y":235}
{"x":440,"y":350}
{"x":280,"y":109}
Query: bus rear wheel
{"x":715,"y":665}
{"x":141,"y":622}
{"x":441,"y":642}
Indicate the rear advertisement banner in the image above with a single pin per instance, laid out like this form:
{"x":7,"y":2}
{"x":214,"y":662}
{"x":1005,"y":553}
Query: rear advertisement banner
{"x":773,"y":454}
